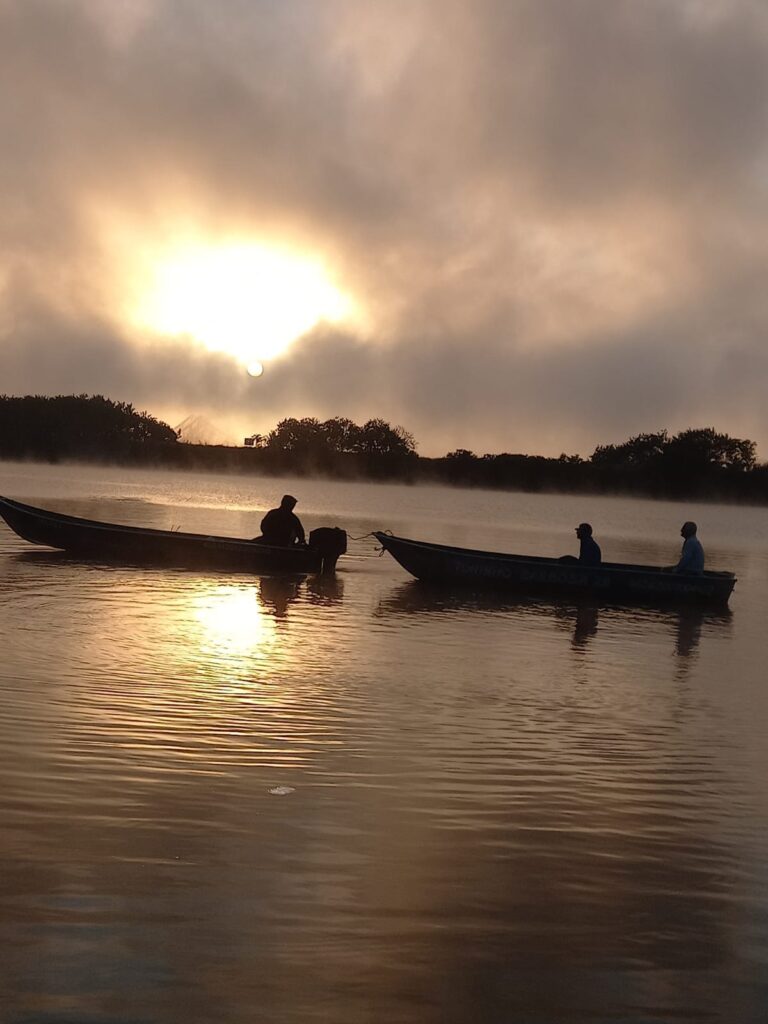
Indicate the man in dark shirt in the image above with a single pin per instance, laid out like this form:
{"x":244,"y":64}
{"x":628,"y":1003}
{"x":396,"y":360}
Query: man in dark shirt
{"x":589,"y":550}
{"x":281,"y":526}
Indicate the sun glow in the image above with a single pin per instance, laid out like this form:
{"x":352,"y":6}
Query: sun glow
{"x":233,"y":620}
{"x":246,"y":300}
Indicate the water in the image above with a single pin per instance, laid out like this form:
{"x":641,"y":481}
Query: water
{"x":241,"y":800}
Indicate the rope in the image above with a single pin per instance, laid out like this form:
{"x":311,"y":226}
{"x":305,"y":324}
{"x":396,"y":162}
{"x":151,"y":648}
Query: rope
{"x":371,"y":534}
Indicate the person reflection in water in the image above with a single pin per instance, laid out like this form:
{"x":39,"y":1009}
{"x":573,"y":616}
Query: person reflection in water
{"x":277,"y":594}
{"x":688,"y":632}
{"x":281,"y":526}
{"x":589,"y":550}
{"x":585,"y":625}
{"x":692,"y":556}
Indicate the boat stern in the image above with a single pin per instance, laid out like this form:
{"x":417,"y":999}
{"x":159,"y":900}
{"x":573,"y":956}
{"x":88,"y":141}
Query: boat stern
{"x":330,"y":543}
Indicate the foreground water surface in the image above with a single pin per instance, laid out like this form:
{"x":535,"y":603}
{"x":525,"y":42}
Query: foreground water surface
{"x":355,"y":800}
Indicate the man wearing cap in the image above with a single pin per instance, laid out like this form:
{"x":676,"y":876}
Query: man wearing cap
{"x":281,"y":526}
{"x":589,"y":550}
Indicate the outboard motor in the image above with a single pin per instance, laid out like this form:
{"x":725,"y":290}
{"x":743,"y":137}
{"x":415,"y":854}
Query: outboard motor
{"x":330,"y":542}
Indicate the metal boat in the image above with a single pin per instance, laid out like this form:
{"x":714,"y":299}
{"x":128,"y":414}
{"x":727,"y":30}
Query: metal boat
{"x":87,"y":538}
{"x":612,"y":581}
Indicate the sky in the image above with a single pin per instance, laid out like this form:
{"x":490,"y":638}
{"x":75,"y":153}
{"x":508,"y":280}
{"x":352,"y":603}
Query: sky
{"x":507,"y":225}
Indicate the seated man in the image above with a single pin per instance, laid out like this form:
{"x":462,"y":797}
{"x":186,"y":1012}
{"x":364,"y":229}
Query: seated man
{"x":281,"y":526}
{"x":589,"y":550}
{"x":692,"y":557}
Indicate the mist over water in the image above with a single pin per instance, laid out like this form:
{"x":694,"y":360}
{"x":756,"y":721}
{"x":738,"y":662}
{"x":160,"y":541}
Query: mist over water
{"x":239,"y":799}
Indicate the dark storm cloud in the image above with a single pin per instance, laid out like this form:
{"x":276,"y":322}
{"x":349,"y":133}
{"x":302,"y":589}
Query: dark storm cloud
{"x":552,"y":210}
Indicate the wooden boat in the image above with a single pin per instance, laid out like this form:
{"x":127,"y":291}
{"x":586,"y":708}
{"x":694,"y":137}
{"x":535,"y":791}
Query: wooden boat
{"x":610,"y":581}
{"x":87,"y":538}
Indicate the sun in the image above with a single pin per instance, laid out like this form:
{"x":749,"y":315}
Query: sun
{"x":243,"y":299}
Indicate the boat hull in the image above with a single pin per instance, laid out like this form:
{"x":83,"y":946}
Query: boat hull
{"x":438,"y":563}
{"x":90,"y":539}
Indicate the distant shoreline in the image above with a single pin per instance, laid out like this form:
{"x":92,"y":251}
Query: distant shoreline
{"x":427,"y":479}
{"x":698,"y":464}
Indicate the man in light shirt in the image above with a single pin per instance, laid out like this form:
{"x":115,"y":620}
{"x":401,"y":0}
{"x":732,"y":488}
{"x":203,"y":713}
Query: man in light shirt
{"x":692,"y":557}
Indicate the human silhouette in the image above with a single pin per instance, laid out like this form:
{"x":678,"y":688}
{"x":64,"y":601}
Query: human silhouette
{"x":589,"y":549}
{"x":281,"y":526}
{"x":692,"y":556}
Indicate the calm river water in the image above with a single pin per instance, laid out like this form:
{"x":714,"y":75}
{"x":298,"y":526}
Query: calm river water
{"x":225,"y":799}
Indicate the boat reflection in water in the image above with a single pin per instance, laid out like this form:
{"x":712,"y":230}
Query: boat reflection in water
{"x":691,"y":623}
{"x":324,"y":590}
{"x":203,"y":626}
{"x":277,"y":593}
{"x":583,"y":618}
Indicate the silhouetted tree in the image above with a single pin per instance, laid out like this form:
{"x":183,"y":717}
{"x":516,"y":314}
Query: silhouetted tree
{"x":704,"y":448}
{"x":304,"y":436}
{"x":696,"y":450}
{"x":341,"y":434}
{"x":637,"y":451}
{"x":78,"y":426}
{"x":377,"y":437}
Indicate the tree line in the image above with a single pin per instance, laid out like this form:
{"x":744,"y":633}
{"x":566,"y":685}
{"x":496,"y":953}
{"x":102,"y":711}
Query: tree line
{"x":696,"y":463}
{"x":336,"y":436}
{"x":78,"y":427}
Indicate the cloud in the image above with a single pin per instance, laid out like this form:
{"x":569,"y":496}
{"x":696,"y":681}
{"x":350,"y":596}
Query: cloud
{"x":550,"y":210}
